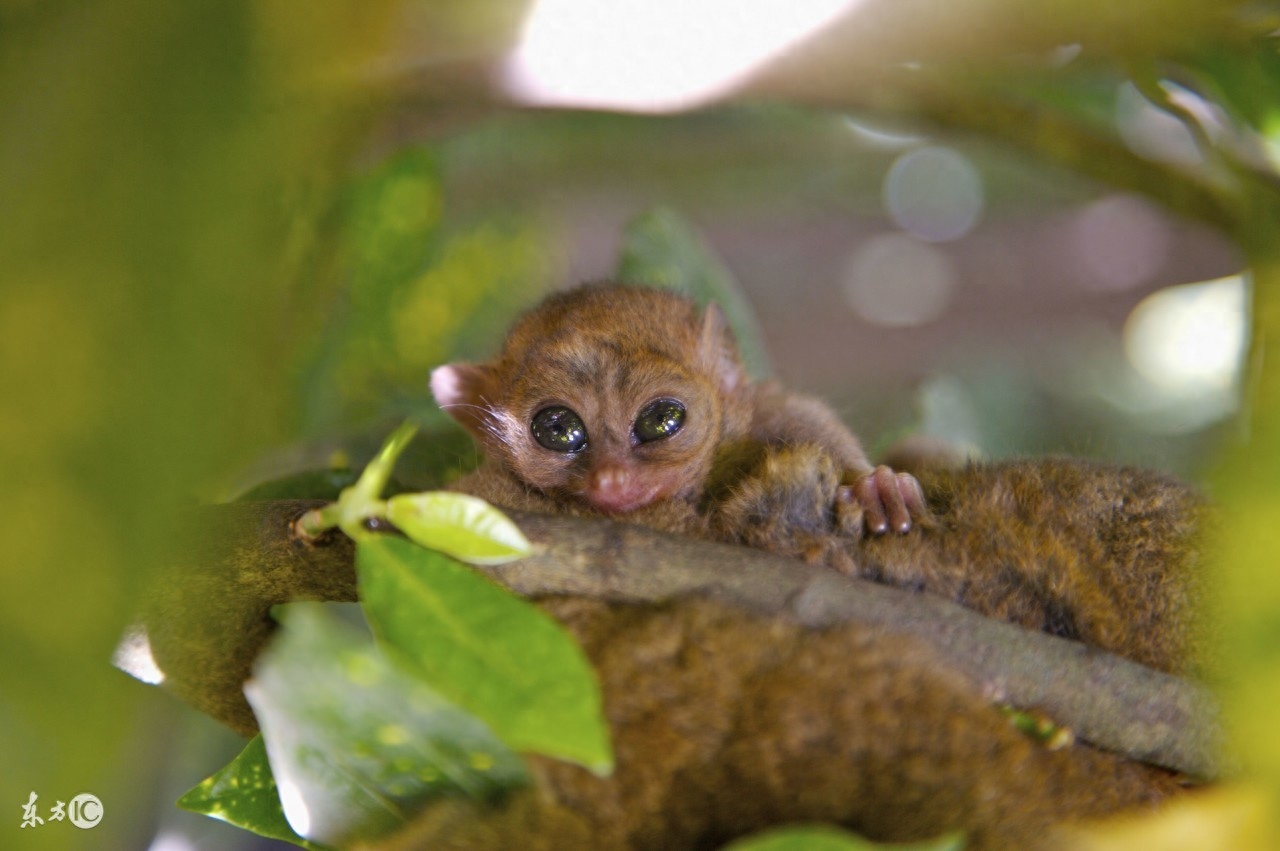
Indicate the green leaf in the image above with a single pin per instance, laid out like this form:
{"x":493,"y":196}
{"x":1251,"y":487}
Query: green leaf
{"x":492,"y":653}
{"x":825,"y":838}
{"x":244,"y":794}
{"x":661,"y":248}
{"x":465,"y":527}
{"x":357,"y":744}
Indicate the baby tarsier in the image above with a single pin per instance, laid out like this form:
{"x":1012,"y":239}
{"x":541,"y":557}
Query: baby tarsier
{"x":634,"y":403}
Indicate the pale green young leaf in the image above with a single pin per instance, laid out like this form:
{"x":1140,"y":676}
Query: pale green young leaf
{"x":375,"y":476}
{"x":467,"y":528}
{"x":357,"y":744}
{"x":492,"y":653}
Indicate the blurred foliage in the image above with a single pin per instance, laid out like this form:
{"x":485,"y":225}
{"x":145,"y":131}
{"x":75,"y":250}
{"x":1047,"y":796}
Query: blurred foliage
{"x":360,"y":742}
{"x":418,"y":293}
{"x":821,"y":838}
{"x":661,"y":249}
{"x":1230,"y":818}
{"x":152,"y":168}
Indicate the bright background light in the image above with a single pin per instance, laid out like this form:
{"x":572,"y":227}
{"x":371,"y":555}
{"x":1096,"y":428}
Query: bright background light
{"x":1190,"y":336}
{"x":880,"y":138}
{"x":1151,"y":132}
{"x":133,"y":656}
{"x":172,"y":841}
{"x":654,"y":55}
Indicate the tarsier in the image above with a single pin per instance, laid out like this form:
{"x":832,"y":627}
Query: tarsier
{"x":633,"y":403}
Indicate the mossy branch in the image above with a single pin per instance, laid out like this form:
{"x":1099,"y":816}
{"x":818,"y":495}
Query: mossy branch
{"x":212,"y":618}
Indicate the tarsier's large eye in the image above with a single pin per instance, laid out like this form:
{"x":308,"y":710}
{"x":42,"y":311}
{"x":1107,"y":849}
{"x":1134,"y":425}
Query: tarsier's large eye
{"x":658,"y":420}
{"x":559,"y":429}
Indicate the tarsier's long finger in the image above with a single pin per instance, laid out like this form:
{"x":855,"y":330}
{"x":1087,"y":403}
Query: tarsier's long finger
{"x":893,"y":498}
{"x":913,"y":495}
{"x":867,"y":492}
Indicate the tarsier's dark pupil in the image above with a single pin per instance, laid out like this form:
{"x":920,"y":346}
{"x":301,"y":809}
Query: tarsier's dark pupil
{"x":658,"y":420}
{"x":559,"y":429}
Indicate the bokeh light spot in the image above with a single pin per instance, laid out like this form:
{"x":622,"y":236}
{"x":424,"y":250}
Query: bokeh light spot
{"x":1190,"y":338}
{"x":1121,"y":242}
{"x":935,"y":193}
{"x":898,"y":281}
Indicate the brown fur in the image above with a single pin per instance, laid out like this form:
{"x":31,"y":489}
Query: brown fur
{"x":1103,"y":555}
{"x":725,"y":723}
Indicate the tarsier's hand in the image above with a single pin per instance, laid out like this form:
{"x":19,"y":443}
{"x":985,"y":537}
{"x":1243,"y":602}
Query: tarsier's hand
{"x":794,"y":502}
{"x":886,"y":500}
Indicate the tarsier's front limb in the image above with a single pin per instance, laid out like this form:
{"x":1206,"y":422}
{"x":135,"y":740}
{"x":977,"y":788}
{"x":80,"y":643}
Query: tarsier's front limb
{"x":883,"y":499}
{"x":793,"y":501}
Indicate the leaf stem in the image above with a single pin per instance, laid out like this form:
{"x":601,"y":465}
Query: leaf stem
{"x":361,"y":501}
{"x":317,"y":520}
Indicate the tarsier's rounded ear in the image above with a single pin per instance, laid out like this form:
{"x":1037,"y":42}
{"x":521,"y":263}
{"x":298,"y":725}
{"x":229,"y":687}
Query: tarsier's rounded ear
{"x":466,"y":392}
{"x":717,"y":351}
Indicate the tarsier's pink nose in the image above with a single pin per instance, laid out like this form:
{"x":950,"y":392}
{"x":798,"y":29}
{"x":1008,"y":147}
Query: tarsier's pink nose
{"x":615,"y":488}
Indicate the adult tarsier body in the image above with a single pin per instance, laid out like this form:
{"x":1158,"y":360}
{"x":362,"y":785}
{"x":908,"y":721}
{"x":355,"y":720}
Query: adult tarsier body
{"x":632,"y":403}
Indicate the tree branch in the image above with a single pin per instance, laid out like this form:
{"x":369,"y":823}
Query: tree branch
{"x":211,"y":619}
{"x":1107,"y":700}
